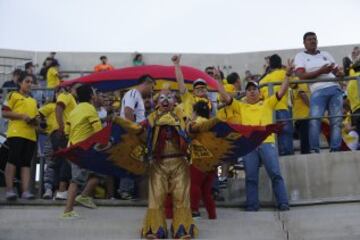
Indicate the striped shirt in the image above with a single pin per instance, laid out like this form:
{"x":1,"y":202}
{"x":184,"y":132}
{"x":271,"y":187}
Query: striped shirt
{"x":133,"y":100}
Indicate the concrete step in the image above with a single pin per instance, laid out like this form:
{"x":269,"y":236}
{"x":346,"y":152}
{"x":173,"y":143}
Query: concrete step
{"x":340,"y":221}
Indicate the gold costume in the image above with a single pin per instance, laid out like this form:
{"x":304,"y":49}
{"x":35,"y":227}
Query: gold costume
{"x":167,"y":149}
{"x":168,"y":174}
{"x":168,"y":169}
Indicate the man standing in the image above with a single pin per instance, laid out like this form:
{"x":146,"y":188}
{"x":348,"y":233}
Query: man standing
{"x":277,"y":73}
{"x":53,"y":76}
{"x":315,"y":64}
{"x":257,"y":112}
{"x":133,"y":109}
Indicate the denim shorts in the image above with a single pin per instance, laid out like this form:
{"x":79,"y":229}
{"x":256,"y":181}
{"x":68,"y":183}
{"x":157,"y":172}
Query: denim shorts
{"x":81,"y":175}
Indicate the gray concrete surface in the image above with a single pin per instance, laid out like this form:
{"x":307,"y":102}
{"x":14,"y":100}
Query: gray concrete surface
{"x":309,"y":178}
{"x":339,"y":221}
{"x":330,"y":222}
{"x":240,"y":62}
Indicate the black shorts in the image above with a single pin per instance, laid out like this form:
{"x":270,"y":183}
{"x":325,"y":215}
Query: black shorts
{"x":21,"y":151}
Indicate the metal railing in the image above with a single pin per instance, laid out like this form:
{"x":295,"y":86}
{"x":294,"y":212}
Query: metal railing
{"x":8,"y":64}
{"x":40,"y":158}
{"x":272,"y":85}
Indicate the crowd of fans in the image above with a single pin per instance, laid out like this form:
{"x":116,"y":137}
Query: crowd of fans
{"x":306,"y":110}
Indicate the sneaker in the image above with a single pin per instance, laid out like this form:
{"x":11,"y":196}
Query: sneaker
{"x":61,"y":195}
{"x":10,"y":195}
{"x":125,"y":196}
{"x":48,"y":194}
{"x":70,"y":215}
{"x":223,"y":182}
{"x":196,"y":215}
{"x":85,"y":201}
{"x":283,"y":207}
{"x":27,"y":195}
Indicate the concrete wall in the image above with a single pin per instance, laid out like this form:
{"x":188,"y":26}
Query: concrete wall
{"x":309,"y":179}
{"x":240,"y":62}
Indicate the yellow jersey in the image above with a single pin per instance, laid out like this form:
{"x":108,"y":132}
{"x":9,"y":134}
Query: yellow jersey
{"x":48,"y":111}
{"x":258,"y":114}
{"x":188,"y":100}
{"x":300,"y":109}
{"x":277,"y":75}
{"x":18,"y":103}
{"x":83,"y":121}
{"x":353,"y":92}
{"x":69,"y":103}
{"x":52,"y":78}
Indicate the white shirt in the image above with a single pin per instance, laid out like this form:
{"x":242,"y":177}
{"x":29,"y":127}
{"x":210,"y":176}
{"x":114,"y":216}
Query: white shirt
{"x":133,"y":100}
{"x":311,"y":63}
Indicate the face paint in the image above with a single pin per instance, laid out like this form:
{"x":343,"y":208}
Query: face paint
{"x":163,"y":97}
{"x":166,"y":101}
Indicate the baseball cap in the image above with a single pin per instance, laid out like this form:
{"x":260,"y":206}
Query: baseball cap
{"x":199,"y":81}
{"x":251,"y":83}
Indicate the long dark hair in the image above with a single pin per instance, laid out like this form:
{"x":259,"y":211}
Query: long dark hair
{"x":22,"y":77}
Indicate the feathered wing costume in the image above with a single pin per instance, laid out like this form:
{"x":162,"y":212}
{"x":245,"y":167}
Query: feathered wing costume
{"x":161,"y":146}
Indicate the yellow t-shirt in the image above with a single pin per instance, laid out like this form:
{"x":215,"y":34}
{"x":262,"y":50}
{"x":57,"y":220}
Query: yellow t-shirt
{"x":300,"y":109}
{"x":258,"y":114}
{"x":69,"y":103}
{"x":48,"y":111}
{"x":188,"y":100}
{"x":230,"y":88}
{"x":353,"y":92}
{"x":277,"y":75}
{"x":83,"y":122}
{"x":52,"y":78}
{"x":228,"y":114}
{"x":18,"y":103}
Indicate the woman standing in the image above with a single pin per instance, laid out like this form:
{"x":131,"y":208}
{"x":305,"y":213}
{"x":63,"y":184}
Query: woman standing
{"x":21,"y":110}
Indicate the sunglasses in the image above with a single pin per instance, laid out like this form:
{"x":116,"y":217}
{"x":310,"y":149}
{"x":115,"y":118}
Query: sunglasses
{"x":200,"y":88}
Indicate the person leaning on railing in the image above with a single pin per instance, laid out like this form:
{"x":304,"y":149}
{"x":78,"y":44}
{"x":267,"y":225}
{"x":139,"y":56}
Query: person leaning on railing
{"x":315,"y":64}
{"x":53,"y":76}
{"x":353,"y":96}
{"x":300,"y":110}
{"x":104,"y":65}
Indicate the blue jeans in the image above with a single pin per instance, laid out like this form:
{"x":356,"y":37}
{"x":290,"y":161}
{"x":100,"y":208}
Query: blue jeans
{"x":127,"y":183}
{"x":285,"y":138}
{"x":331,"y":99}
{"x":267,"y":154}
